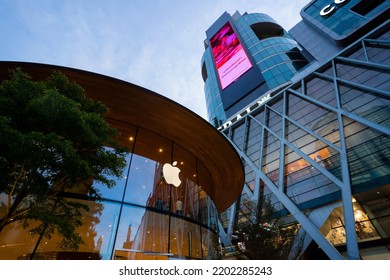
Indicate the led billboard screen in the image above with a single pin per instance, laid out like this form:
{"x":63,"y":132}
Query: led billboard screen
{"x":229,"y":56}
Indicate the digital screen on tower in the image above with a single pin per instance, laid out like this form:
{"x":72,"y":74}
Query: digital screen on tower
{"x":229,"y":56}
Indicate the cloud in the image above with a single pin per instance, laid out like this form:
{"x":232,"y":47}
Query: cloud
{"x":157,"y":44}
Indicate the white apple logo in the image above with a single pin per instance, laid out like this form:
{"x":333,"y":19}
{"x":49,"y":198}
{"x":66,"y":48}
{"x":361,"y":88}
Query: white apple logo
{"x":171,"y":174}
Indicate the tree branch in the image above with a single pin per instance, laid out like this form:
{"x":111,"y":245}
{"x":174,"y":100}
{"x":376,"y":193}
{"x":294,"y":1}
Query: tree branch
{"x":17,"y":178}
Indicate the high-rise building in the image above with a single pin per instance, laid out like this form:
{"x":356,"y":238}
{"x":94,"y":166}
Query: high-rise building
{"x":308,"y":110}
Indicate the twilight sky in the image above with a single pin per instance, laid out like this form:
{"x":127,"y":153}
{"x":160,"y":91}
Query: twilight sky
{"x":156,"y":44}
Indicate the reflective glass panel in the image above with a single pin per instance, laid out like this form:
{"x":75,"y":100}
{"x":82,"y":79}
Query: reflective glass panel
{"x":116,"y":192}
{"x":97,"y":232}
{"x":185,"y":196}
{"x":142,"y":234}
{"x":209,"y":244}
{"x":145,"y":184}
{"x":185,"y":239}
{"x":15,"y":241}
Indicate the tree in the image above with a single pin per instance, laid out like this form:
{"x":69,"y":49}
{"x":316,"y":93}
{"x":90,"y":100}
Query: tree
{"x":268,"y":238}
{"x":53,"y":141}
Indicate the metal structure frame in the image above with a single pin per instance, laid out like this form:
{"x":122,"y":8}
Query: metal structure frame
{"x":344,"y":184}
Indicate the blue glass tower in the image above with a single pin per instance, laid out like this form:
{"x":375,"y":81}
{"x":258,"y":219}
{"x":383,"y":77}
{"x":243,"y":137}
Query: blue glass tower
{"x":314,"y":133}
{"x":274,"y":55}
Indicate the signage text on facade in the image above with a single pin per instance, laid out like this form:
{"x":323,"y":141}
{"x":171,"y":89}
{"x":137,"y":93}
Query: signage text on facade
{"x":329,"y":9}
{"x":245,"y":112}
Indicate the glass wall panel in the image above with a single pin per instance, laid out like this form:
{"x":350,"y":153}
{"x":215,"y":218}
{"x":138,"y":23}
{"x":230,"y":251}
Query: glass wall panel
{"x":270,"y":198}
{"x":224,"y":218}
{"x":259,"y":116}
{"x":372,"y":77}
{"x":303,"y":181}
{"x":145,"y":185}
{"x":141,"y":229}
{"x":185,"y":200}
{"x":275,"y":204}
{"x":357,"y":52}
{"x":128,"y":132}
{"x":271,"y":154}
{"x":208,"y":212}
{"x":16,"y":242}
{"x":142,"y":234}
{"x":382,"y":34}
{"x":366,"y":229}
{"x":378,"y":54}
{"x":254,"y":141}
{"x":277,"y":105}
{"x":274,"y":122}
{"x":336,"y":234}
{"x":317,"y":150}
{"x":375,"y":253}
{"x":247,"y":211}
{"x":185,"y":239}
{"x":210,"y":245}
{"x":250,"y":177}
{"x":186,"y":162}
{"x":297,"y":87}
{"x":377,"y":207}
{"x":116,"y":192}
{"x":313,"y":117}
{"x":203,"y":207}
{"x":238,"y":135}
{"x":322,"y":90}
{"x":97,"y":232}
{"x":153,"y":146}
{"x":207,"y":208}
{"x":368,"y":152}
{"x":373,"y":107}
{"x":384,"y":226}
{"x":185,"y":197}
{"x":127,"y":135}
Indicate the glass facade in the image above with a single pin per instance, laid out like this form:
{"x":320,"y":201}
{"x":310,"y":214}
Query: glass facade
{"x":142,"y":217}
{"x":344,"y":16}
{"x":338,"y":19}
{"x":215,"y":109}
{"x":319,"y":152}
{"x":276,"y":54}
{"x":273,"y":51}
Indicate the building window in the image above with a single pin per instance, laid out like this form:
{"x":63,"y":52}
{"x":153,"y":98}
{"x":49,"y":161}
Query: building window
{"x":266,"y":30}
{"x":364,"y":7}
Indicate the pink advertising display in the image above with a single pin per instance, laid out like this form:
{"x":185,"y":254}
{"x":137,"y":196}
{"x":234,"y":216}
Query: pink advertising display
{"x":229,"y":55}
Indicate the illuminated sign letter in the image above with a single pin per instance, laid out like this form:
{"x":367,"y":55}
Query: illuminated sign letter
{"x":245,"y":112}
{"x":327,"y":10}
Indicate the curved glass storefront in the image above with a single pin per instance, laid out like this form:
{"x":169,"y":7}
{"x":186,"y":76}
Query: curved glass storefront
{"x":145,"y":216}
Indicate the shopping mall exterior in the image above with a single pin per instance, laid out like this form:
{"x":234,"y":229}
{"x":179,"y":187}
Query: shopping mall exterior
{"x":308,"y":111}
{"x":141,"y":217}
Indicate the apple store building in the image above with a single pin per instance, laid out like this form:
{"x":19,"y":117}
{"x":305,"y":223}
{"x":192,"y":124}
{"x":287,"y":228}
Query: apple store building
{"x":181,"y":172}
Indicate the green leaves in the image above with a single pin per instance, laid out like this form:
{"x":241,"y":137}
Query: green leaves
{"x":268,"y":238}
{"x":52,"y":141}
